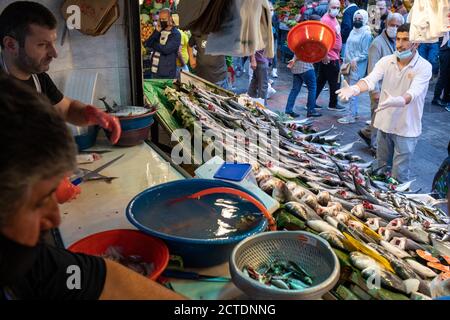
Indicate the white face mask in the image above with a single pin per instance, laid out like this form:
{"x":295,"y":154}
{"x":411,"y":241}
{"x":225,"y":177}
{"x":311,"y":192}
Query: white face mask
{"x":334,"y":12}
{"x":391,"y":32}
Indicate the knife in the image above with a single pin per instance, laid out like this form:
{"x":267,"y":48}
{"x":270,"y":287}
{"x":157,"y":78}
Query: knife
{"x":95,"y":172}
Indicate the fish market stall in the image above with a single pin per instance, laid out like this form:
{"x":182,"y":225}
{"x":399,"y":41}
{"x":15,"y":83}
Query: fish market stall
{"x":377,"y":230}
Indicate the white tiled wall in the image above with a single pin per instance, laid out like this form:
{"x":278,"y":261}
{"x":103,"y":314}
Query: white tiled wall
{"x":107,"y":55}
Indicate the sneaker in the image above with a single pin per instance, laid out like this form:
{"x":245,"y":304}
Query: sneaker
{"x":270,"y":81}
{"x":270,"y":92}
{"x":447,"y":108}
{"x":369,"y":122}
{"x":338,"y":108}
{"x":316,"y":107}
{"x":347,"y":119}
{"x":274,"y":73}
{"x":325,"y":89}
{"x":293,"y":114}
{"x":314,"y":114}
{"x":367,"y":140}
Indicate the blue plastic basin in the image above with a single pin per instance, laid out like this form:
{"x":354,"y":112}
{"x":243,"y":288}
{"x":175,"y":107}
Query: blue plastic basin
{"x":148,"y":211}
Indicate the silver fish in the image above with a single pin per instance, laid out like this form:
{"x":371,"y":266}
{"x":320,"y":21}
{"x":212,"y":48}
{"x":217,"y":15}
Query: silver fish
{"x":406,"y":244}
{"x":362,"y":261}
{"x":394,"y":250}
{"x":322,"y":226}
{"x":336,"y":240}
{"x":300,"y":210}
{"x":387,"y":279}
{"x":420,"y":269}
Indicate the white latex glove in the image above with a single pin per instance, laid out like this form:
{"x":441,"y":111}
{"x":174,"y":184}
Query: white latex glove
{"x":346,"y":92}
{"x":391,"y":102}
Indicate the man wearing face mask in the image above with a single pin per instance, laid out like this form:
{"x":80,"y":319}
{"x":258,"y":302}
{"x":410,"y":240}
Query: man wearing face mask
{"x":383,"y":7}
{"x":328,"y":70}
{"x":30,"y":269}
{"x":381,"y":46}
{"x":165,"y":43}
{"x":398,"y":118}
{"x":28,"y":37}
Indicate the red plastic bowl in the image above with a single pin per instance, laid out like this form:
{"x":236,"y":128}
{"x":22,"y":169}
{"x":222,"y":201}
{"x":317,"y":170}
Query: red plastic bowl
{"x":132,"y":242}
{"x":311,"y":40}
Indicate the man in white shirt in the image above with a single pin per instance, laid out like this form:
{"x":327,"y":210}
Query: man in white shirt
{"x":398,"y":117}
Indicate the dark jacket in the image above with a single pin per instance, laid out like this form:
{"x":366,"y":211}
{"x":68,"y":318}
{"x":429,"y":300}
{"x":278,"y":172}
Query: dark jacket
{"x":347,"y":22}
{"x":275,"y":26}
{"x":321,"y":9}
{"x":167,"y":68}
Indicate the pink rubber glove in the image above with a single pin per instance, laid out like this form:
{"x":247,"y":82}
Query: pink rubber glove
{"x":67,"y":191}
{"x":104,"y":120}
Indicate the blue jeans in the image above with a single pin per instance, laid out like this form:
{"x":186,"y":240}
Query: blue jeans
{"x":309,"y":77}
{"x":430,"y":52}
{"x":354,"y":101}
{"x":225,"y":84}
{"x":396,"y":152}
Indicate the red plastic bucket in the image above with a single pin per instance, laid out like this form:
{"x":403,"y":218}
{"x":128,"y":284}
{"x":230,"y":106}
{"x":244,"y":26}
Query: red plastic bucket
{"x":311,"y":40}
{"x":132,"y":242}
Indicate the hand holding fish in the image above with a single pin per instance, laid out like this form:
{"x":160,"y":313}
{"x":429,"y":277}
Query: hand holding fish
{"x":391,"y":102}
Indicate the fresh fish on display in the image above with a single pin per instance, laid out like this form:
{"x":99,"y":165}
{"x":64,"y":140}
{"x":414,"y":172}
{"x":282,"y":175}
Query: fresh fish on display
{"x":406,"y":244}
{"x":394,"y":250}
{"x":376,"y":223}
{"x":332,"y":221}
{"x":322,"y":226}
{"x":387,"y":279}
{"x":362,"y":261}
{"x":282,"y":172}
{"x":301,"y":211}
{"x":420,"y":269}
{"x":443,"y":247}
{"x":336,"y":240}
{"x":322,"y":185}
{"x":387,"y":234}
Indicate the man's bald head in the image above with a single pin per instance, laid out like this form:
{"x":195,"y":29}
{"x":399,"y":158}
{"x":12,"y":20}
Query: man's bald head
{"x":334,"y":3}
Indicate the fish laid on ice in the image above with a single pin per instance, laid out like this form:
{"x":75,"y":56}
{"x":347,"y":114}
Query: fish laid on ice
{"x":420,"y":269}
{"x":322,"y":226}
{"x":394,"y":250}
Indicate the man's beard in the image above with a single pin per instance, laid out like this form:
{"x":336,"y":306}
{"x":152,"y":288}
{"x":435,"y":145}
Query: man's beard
{"x":29,"y":65}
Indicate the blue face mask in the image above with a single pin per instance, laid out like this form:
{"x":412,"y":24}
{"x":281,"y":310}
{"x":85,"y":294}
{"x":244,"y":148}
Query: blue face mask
{"x":403,"y":55}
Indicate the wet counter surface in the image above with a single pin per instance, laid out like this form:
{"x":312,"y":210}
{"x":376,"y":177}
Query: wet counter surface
{"x":101,"y":206}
